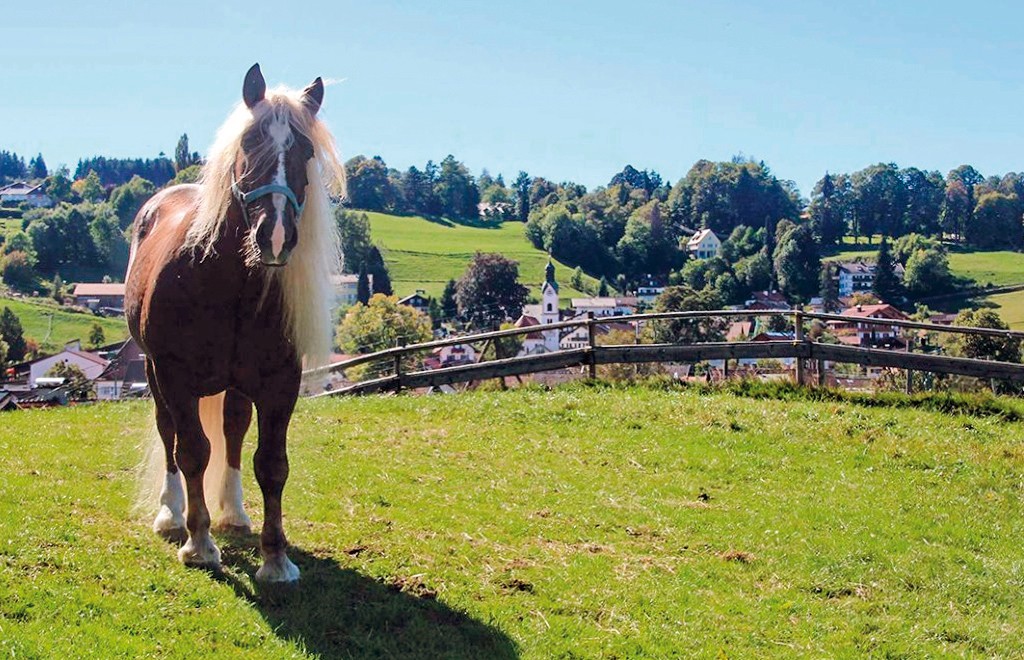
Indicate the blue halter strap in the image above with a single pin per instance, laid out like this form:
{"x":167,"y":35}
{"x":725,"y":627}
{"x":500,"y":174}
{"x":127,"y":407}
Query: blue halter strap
{"x":246,"y":198}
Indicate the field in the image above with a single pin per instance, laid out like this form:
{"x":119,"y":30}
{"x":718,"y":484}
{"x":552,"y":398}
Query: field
{"x":425,"y":254}
{"x":999,"y":268}
{"x":586,"y":521}
{"x":66,"y":325}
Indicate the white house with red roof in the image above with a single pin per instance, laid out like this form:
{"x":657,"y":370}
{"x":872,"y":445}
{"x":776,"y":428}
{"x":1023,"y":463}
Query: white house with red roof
{"x":858,"y":333}
{"x":704,"y":244}
{"x":99,"y":295}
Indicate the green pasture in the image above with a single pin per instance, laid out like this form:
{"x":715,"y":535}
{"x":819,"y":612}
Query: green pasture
{"x":66,"y":325}
{"x":425,"y":254}
{"x":588,"y":521}
{"x":999,"y":268}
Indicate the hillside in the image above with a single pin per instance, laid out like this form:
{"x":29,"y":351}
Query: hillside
{"x":66,"y":325}
{"x":580,"y":522}
{"x":425,"y":254}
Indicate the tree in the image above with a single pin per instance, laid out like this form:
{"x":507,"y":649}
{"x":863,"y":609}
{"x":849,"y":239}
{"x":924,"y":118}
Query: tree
{"x":368,"y":184}
{"x":378,"y":271}
{"x":688,"y":331}
{"x":829,"y":286}
{"x":354,"y":232}
{"x":363,"y":285}
{"x":1004,"y":349}
{"x":96,"y":336}
{"x":16,"y":270}
{"x":602,"y":288}
{"x":37,"y":167}
{"x":76,"y":384}
{"x":828,"y":220}
{"x":183,"y":159}
{"x":489,"y":291}
{"x":886,"y":284}
{"x":797,"y":261}
{"x":521,"y":187}
{"x":58,"y":185}
{"x":381,"y":323}
{"x":12,"y":335}
{"x":188,"y":175}
{"x":128,"y":198}
{"x":57,"y":289}
{"x":996,"y":222}
{"x":456,"y":190}
{"x":449,"y":306}
{"x":576,"y":281}
{"x":90,"y":188}
{"x":927,"y":272}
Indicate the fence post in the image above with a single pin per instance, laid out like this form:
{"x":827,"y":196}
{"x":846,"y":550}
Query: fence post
{"x":592,"y":341}
{"x":798,"y":323}
{"x":398,"y":372}
{"x":910,"y":372}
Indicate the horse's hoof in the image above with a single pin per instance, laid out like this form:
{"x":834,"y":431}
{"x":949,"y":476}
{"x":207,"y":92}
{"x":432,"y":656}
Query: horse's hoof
{"x":278,"y":569}
{"x":200,"y":554}
{"x":232,"y":529}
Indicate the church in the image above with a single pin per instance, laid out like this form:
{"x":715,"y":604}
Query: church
{"x":540,"y":315}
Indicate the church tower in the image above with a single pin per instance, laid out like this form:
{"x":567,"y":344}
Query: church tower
{"x":549,"y":306}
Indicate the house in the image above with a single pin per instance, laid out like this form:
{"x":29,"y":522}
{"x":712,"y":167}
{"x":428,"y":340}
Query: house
{"x":857,"y":333}
{"x":91,"y":365}
{"x":124,"y":375}
{"x":21,"y":192}
{"x":704,"y":244}
{"x":859,"y":276}
{"x":533,"y":342}
{"x":766,"y":300}
{"x":605,"y":306}
{"x":451,"y":356}
{"x":579,"y":337}
{"x":100,"y":296}
{"x":649,"y":290}
{"x":346,"y":289}
{"x":417,"y":301}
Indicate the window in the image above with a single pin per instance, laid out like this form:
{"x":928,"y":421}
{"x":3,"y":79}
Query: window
{"x":549,"y":307}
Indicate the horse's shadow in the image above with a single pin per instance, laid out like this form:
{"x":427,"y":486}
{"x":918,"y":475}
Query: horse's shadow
{"x":336,"y":612}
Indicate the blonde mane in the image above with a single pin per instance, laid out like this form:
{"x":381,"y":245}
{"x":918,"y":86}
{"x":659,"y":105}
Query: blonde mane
{"x":305,"y":282}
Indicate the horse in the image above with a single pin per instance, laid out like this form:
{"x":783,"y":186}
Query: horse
{"x":228,"y":293}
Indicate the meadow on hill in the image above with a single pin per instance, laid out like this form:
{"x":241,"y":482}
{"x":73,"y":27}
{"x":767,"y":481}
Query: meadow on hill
{"x":425,"y":254}
{"x":581,"y":522}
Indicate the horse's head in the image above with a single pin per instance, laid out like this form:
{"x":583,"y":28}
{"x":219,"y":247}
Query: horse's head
{"x":271,"y":173}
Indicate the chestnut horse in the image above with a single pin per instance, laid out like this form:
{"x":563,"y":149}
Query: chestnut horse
{"x":228,"y":293}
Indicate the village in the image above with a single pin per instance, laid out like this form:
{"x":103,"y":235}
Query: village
{"x":117,"y":371}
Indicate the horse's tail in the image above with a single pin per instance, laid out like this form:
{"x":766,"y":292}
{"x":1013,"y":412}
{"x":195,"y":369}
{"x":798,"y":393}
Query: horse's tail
{"x":211,"y":415}
{"x":152,"y":470}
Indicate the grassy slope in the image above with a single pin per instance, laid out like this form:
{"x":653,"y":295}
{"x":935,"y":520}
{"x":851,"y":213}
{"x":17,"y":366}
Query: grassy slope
{"x":423,"y":254}
{"x":67,"y":325}
{"x":542,"y":524}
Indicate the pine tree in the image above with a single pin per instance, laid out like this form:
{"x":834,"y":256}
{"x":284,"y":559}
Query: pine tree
{"x":58,"y":288}
{"x":96,"y":335}
{"x":37,"y":167}
{"x":449,"y":308}
{"x":13,"y":335}
{"x":375,"y":266}
{"x":829,"y":290}
{"x":886,"y":285}
{"x":363,"y":285}
{"x":602,"y":288}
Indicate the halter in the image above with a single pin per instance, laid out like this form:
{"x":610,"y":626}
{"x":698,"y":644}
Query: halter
{"x":245,"y":198}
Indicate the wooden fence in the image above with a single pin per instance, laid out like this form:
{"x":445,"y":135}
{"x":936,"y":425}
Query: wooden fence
{"x":801,"y":348}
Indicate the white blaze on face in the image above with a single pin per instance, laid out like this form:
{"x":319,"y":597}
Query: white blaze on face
{"x":281,"y":133}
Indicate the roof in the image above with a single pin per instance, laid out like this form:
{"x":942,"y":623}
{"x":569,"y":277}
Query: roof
{"x":858,"y":267}
{"x":697,"y":238}
{"x":525,"y":321}
{"x":418,"y":296}
{"x":22,"y":188}
{"x":99,"y":289}
{"x":604,"y":301}
{"x":883,"y":310}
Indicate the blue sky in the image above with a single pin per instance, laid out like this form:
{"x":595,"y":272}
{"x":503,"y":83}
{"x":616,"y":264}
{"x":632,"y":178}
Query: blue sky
{"x":565,"y":90}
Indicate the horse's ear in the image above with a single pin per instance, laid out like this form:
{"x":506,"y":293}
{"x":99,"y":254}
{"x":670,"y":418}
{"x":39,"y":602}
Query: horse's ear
{"x":313,"y":95}
{"x":255,"y":87}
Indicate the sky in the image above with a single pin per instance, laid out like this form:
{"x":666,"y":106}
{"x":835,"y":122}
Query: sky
{"x":572,"y":91}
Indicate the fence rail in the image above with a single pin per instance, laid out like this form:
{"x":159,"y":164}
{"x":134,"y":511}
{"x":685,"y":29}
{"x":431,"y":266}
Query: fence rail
{"x":800,"y":348}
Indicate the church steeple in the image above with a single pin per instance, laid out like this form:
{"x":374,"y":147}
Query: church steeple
{"x":549,"y":274}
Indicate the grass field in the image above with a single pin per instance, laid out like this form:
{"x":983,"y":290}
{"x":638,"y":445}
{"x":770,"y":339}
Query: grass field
{"x":999,"y":268}
{"x":66,"y":326}
{"x":425,"y":254}
{"x":582,"y":522}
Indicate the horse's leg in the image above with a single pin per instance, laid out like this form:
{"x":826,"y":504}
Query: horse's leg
{"x":237,"y":416}
{"x":170,"y":519}
{"x":274,"y":410}
{"x":192,"y":454}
